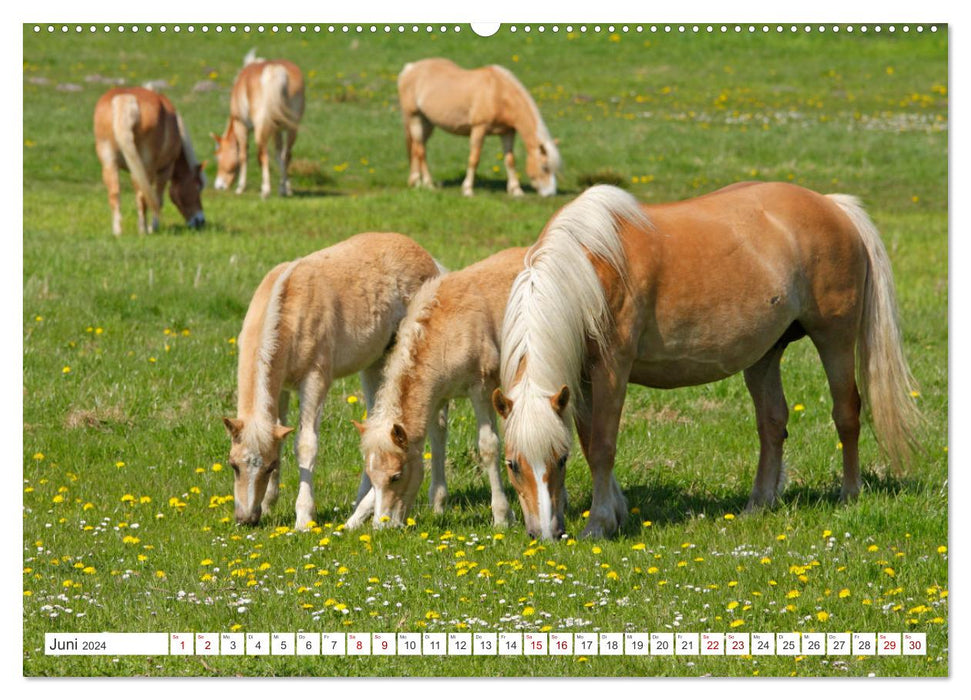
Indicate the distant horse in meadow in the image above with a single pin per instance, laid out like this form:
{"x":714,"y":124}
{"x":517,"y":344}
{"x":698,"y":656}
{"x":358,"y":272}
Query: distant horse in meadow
{"x":686,"y":293}
{"x":139,"y":130}
{"x":475,"y":103}
{"x":448,"y":347}
{"x":313,"y":320}
{"x":267,"y":99}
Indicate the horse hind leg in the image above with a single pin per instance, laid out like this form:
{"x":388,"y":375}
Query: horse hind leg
{"x":837,"y":352}
{"x":475,"y":152}
{"x":764,"y":383}
{"x":512,"y":179}
{"x":284,"y":147}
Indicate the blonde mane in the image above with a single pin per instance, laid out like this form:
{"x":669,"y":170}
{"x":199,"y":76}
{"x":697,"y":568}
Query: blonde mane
{"x":542,"y":133}
{"x":411,"y":331}
{"x":555,"y":306}
{"x":260,"y":427}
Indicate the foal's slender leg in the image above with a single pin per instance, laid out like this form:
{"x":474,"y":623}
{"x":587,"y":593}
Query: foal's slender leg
{"x":489,"y":454}
{"x":313,"y":391}
{"x":764,"y":382}
{"x":512,"y":179}
{"x":272,"y":494}
{"x":109,"y":174}
{"x":839,"y":362}
{"x":597,"y":427}
{"x":476,"y":137}
{"x":141,"y":205}
{"x":370,"y":381}
{"x":437,"y":432}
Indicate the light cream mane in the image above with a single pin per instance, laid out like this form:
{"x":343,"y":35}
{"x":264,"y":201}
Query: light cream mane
{"x":260,"y":426}
{"x":541,"y":134}
{"x":555,"y":306}
{"x":400,"y":365}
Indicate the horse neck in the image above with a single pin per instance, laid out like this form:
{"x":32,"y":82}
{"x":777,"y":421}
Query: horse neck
{"x":527,"y":120}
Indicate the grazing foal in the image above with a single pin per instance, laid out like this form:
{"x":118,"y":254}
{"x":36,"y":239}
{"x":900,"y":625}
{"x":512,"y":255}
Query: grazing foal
{"x":138,"y":130}
{"x":448,"y":347}
{"x":321,"y":317}
{"x":267,"y":99}
{"x":475,"y":103}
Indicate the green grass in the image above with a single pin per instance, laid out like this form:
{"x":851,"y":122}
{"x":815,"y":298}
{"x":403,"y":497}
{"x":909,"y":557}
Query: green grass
{"x":129,"y":361}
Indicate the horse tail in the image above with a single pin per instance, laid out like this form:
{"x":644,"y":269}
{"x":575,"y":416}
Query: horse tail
{"x":251,"y":57}
{"x":558,"y":302}
{"x":124,"y":118}
{"x":883,"y":374}
{"x":277,"y":112}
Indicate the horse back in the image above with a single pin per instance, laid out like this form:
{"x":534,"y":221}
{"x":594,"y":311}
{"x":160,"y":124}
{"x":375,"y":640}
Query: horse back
{"x":249,"y":95}
{"x":449,"y":96}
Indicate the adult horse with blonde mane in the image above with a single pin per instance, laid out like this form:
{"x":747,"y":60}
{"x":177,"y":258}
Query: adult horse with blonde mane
{"x":687,"y":293}
{"x":267,"y":99}
{"x":139,"y":130}
{"x":448,"y":347}
{"x":313,"y":320}
{"x":475,"y":103}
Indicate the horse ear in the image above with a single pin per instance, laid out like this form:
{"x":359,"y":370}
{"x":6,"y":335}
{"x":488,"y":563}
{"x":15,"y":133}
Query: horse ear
{"x":361,"y":427}
{"x":281,"y":431}
{"x":399,"y":437}
{"x":560,"y":400}
{"x":502,"y":404}
{"x":234,"y":426}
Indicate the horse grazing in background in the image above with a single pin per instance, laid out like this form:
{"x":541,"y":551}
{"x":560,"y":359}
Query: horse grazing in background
{"x":475,"y":103}
{"x":318,"y":318}
{"x":686,"y":293}
{"x":448,"y":347}
{"x":139,"y":130}
{"x":267,"y":99}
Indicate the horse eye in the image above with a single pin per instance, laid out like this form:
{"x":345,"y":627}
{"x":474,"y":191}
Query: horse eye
{"x":512,"y":465}
{"x":273,"y":467}
{"x":235,"y":467}
{"x":395,"y":476}
{"x":561,"y":464}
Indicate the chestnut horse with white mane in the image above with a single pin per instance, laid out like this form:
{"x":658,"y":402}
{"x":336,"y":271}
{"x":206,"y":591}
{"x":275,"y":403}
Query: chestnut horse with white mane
{"x":138,"y":130}
{"x":688,"y":293}
{"x":447,"y":347}
{"x":313,"y":320}
{"x":475,"y":103}
{"x":267,"y":99}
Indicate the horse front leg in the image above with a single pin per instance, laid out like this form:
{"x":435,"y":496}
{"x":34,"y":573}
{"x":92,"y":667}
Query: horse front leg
{"x":272,"y":494}
{"x":313,"y":391}
{"x":241,"y":136}
{"x":512,"y":179}
{"x":598,"y":423}
{"x":489,"y":455}
{"x":437,"y":434}
{"x":284,"y":145}
{"x":476,"y":137}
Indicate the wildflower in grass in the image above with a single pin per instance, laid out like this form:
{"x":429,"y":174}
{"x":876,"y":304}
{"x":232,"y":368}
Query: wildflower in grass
{"x":942,"y":549}
{"x":129,"y":539}
{"x":737,"y":623}
{"x":639,"y":546}
{"x":798,"y":407}
{"x":729,"y":516}
{"x":596,"y":550}
{"x":66,"y":370}
{"x":159,"y":574}
{"x":872,"y":548}
{"x":822,"y":616}
{"x":352,"y":399}
{"x":38,"y":456}
{"x":732,"y":605}
{"x":889,"y":572}
{"x":528,"y":611}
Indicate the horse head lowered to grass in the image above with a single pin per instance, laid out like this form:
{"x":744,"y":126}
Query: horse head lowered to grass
{"x":475,"y":103}
{"x":687,"y":293}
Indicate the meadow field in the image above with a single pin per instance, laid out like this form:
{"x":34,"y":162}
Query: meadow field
{"x":129,"y":357}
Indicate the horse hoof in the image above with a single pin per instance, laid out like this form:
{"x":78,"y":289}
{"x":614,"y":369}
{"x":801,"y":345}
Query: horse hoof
{"x":517,"y":192}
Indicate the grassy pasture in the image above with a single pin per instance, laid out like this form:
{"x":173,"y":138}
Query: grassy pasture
{"x":129,"y":360}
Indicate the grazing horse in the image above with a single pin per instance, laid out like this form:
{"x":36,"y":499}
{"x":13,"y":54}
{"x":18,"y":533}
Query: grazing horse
{"x":267,"y":99}
{"x":139,"y":130}
{"x":448,"y":347}
{"x":687,"y":293}
{"x":474,"y":103}
{"x":318,"y":318}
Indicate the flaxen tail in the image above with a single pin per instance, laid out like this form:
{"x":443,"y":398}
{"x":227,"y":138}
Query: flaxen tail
{"x":124,"y":116}
{"x":278,"y":112}
{"x":885,"y":380}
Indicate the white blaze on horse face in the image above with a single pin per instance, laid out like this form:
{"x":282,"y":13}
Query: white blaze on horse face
{"x":385,"y":469}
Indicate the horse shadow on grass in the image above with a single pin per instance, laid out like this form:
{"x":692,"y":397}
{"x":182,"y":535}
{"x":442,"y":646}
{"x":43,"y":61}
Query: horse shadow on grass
{"x":498,"y":185}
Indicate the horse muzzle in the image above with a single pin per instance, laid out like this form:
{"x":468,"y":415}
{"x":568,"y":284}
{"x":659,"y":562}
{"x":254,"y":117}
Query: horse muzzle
{"x":198,"y":220}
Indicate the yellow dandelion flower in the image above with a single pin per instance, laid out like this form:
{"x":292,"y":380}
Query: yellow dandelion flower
{"x":351,"y":399}
{"x":65,"y":370}
{"x":798,"y":407}
{"x":729,"y":516}
{"x":942,"y":549}
{"x":822,"y":616}
{"x":38,"y":456}
{"x":217,"y":467}
{"x":596,"y":550}
{"x":159,"y":574}
{"x":527,"y":611}
{"x":872,"y":548}
{"x":639,"y":546}
{"x":889,"y":572}
{"x":793,"y":594}
{"x":732,"y":605}
{"x":612,"y":575}
{"x":737,"y":623}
